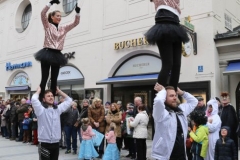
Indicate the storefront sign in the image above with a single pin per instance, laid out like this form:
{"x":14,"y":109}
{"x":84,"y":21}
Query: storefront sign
{"x":143,"y":64}
{"x":186,"y":22}
{"x":16,"y":66}
{"x":69,"y":72}
{"x":69,"y":55}
{"x":130,"y":43}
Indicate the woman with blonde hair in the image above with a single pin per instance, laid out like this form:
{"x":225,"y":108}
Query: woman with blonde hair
{"x":115,"y":116}
{"x":96,"y":115}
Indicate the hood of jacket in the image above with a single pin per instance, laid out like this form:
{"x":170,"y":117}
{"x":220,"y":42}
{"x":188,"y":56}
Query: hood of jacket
{"x":228,"y":130}
{"x":214,"y":104}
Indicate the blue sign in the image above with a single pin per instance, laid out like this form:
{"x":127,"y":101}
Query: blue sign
{"x":16,"y":66}
{"x":200,"y":68}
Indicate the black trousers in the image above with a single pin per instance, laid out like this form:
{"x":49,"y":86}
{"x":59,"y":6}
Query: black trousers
{"x":45,"y":74}
{"x":141,"y":149}
{"x":170,"y":53}
{"x":119,"y":143}
{"x":132,"y":147}
{"x":48,"y":151}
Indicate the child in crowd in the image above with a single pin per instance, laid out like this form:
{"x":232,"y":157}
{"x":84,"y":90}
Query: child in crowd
{"x":26,"y":125}
{"x":225,"y":147}
{"x":200,"y":137}
{"x":111,"y":152}
{"x":87,"y":150}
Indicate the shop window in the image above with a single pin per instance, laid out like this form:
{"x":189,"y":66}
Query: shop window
{"x":26,"y":16}
{"x":69,"y":5}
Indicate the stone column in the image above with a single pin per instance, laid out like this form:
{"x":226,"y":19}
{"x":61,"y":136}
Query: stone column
{"x":224,"y":78}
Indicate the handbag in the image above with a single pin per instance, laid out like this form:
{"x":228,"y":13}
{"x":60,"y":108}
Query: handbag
{"x":97,"y":139}
{"x":188,"y":143}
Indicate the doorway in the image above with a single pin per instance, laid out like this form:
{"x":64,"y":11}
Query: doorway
{"x":18,"y":97}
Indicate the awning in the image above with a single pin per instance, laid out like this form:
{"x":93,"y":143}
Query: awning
{"x":17,"y":88}
{"x":124,"y":79}
{"x":232,"y":68}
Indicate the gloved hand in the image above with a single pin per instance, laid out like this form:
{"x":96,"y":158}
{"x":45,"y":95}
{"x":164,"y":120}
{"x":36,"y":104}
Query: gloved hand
{"x":77,"y":9}
{"x":54,"y":1}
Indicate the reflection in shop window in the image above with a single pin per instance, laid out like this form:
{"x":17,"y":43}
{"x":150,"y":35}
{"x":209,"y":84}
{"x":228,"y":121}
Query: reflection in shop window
{"x":26,"y":16}
{"x":78,"y":93}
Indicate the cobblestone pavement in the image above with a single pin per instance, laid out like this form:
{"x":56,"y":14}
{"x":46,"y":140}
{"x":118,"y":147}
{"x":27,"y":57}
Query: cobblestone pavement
{"x":11,"y":150}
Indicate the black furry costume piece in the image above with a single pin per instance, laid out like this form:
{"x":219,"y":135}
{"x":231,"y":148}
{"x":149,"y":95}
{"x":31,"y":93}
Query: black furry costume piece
{"x":199,"y":117}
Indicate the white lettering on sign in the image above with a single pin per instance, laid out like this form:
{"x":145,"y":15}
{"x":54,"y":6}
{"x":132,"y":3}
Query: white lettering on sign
{"x":66,"y":72}
{"x":141,"y":65}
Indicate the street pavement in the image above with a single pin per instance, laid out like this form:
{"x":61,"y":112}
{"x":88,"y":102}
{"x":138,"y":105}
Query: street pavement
{"x":12,"y":150}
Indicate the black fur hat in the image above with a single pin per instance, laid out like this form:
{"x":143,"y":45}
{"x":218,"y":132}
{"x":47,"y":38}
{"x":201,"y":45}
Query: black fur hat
{"x":199,"y":117}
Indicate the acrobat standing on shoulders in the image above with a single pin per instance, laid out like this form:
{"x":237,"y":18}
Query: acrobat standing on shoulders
{"x":50,"y":56}
{"x":169,"y":35}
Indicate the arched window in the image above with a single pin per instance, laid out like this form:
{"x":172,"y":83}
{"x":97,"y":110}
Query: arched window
{"x":26,"y":16}
{"x":69,"y":5}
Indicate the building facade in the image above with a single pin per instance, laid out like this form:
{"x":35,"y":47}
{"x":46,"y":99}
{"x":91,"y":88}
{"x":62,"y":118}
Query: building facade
{"x":108,"y":55}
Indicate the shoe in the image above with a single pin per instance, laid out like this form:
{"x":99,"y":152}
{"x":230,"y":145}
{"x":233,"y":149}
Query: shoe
{"x":124,"y":148}
{"x":68,"y":151}
{"x":64,"y":147}
{"x":74,"y":152}
{"x":133,"y":157}
{"x":100,"y":156}
{"x":129,"y":155}
{"x":24,"y":142}
{"x":7,"y":137}
{"x":12,"y":139}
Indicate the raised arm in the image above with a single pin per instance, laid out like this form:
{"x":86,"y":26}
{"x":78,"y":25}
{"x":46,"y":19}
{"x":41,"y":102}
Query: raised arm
{"x":38,"y":108}
{"x":67,"y":101}
{"x":191,"y":103}
{"x":70,"y":26}
{"x":159,"y":111}
{"x":44,"y":16}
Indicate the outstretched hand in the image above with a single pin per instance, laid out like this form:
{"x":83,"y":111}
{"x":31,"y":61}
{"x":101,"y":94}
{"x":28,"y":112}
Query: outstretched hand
{"x":180,"y":92}
{"x":77,"y":9}
{"x":54,"y":1}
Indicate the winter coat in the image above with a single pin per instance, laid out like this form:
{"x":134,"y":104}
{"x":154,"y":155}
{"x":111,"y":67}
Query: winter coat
{"x":165,"y":122}
{"x":140,"y":125}
{"x":97,"y":115}
{"x":21,"y":110}
{"x":83,"y":114}
{"x":26,"y":123}
{"x":225,"y":148}
{"x":213,"y":128}
{"x":124,"y":126}
{"x":71,"y":116}
{"x":3,"y":118}
{"x":229,"y":118}
{"x":115,"y":118}
{"x":200,"y":144}
{"x":13,"y":115}
{"x":34,"y":123}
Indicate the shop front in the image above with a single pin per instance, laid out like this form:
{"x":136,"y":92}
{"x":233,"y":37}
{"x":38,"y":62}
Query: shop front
{"x":136,"y":77}
{"x":19,"y":87}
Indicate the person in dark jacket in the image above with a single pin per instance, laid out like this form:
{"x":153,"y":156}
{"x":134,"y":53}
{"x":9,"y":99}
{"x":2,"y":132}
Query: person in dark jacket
{"x":200,"y":106}
{"x":62,"y":142}
{"x":229,"y":117}
{"x":33,"y":125}
{"x":225,"y":148}
{"x":20,"y":111}
{"x":70,"y":129}
{"x":13,"y":120}
{"x":83,"y":114}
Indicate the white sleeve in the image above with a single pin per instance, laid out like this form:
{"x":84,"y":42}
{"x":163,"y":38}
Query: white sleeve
{"x":159,"y":111}
{"x":189,"y":106}
{"x":38,"y":108}
{"x":65,"y":105}
{"x":215,"y":125}
{"x":135,"y":122}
